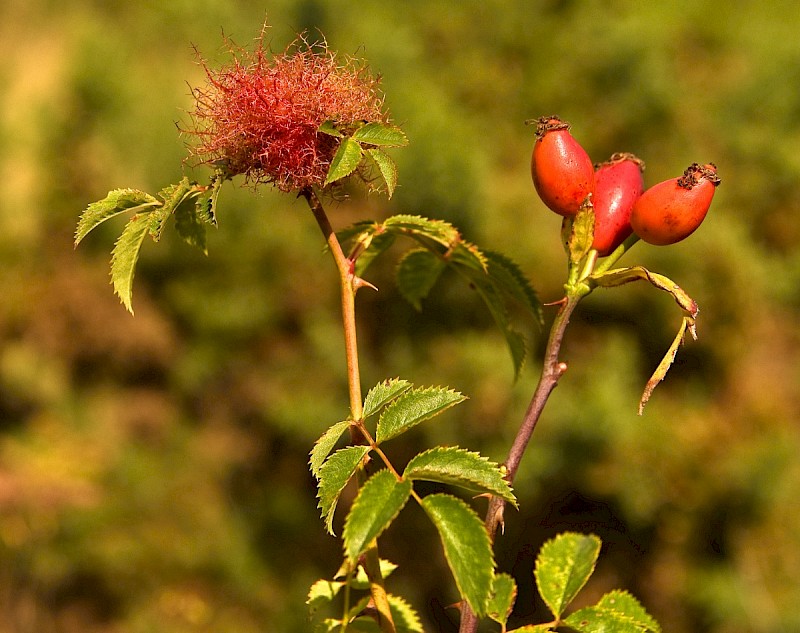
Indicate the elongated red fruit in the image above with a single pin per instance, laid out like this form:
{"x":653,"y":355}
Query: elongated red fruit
{"x":618,"y":183}
{"x":671,"y":210}
{"x":562,"y":171}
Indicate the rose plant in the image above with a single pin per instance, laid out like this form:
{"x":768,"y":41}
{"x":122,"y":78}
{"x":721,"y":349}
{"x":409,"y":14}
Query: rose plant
{"x":306,"y":121}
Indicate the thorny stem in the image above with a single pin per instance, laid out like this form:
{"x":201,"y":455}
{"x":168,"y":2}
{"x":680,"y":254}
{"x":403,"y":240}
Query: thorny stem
{"x":552,"y":370}
{"x":349,"y":283}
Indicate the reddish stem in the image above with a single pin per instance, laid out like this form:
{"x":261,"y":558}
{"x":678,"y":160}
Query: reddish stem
{"x":552,"y":370}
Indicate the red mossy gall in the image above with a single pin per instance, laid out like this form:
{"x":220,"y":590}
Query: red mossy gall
{"x":259,"y":114}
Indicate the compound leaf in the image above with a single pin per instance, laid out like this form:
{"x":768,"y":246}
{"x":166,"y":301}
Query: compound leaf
{"x":116,"y":202}
{"x":417,"y":273}
{"x":361,"y":580}
{"x":563,"y":567}
{"x":507,"y":276}
{"x":324,"y":445}
{"x":333,"y":477}
{"x":383,"y":393}
{"x":615,"y":611}
{"x":329,"y":127}
{"x":504,"y":593}
{"x":190,"y":226}
{"x":381,"y":135}
{"x":386,"y":166}
{"x":466,"y":547}
{"x":378,"y":502}
{"x":125,"y":255}
{"x":406,"y":618}
{"x":460,"y":467}
{"x":497,"y":308}
{"x":345,"y":161}
{"x":417,"y":227}
{"x":322,"y":592}
{"x":413,"y":407}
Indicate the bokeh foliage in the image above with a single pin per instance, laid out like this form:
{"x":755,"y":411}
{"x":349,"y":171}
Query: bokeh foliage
{"x":153,"y":469}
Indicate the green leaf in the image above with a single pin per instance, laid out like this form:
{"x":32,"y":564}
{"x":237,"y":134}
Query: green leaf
{"x":467,"y":255}
{"x":363,"y":230}
{"x":174,"y":195}
{"x":507,"y":276}
{"x":417,"y":272}
{"x":324,"y":445}
{"x":406,"y":618}
{"x":361,"y":580}
{"x":620,"y":276}
{"x":328,"y":625}
{"x":125,"y":255}
{"x":333,"y":477}
{"x":414,"y":407}
{"x":386,"y":166}
{"x":363,"y":624}
{"x":329,"y":127}
{"x":504,"y":593}
{"x":345,"y":161}
{"x":158,"y":220}
{"x":380,"y":134}
{"x":383,"y":393}
{"x":466,"y":547}
{"x":534,"y":628}
{"x":377,"y":245}
{"x":322,"y":592}
{"x":460,"y":467}
{"x":417,"y":227}
{"x":578,"y":233}
{"x":378,"y":502}
{"x":615,"y":611}
{"x":206,"y":203}
{"x":116,"y":202}
{"x":563,"y":566}
{"x":191,"y":227}
{"x":497,"y":308}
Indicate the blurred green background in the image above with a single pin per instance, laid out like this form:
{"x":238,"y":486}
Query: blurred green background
{"x":153,"y":469}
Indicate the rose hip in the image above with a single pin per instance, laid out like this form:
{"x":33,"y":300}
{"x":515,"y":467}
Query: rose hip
{"x":618,"y":185}
{"x":671,"y":210}
{"x":562,"y":171}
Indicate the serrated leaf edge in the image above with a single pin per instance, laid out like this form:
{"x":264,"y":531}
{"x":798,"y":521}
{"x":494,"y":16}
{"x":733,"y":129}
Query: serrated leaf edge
{"x":504,"y":490}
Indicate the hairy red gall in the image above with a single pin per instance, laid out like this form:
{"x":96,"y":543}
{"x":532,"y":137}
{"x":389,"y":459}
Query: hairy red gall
{"x":260,"y":114}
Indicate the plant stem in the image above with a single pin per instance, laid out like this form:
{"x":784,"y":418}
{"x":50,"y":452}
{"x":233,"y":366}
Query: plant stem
{"x":552,"y":370}
{"x":349,"y":283}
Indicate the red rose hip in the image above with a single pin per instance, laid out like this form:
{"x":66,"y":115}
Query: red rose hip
{"x":671,"y":210}
{"x":618,"y":185}
{"x":562,"y":171}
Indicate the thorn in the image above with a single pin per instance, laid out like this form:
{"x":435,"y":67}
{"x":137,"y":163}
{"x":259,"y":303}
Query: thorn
{"x":562,"y":301}
{"x":358,"y":282}
{"x":499,"y":519}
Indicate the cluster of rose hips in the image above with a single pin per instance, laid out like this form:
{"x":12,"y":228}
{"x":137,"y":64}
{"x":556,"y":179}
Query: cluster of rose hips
{"x":566,"y":180}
